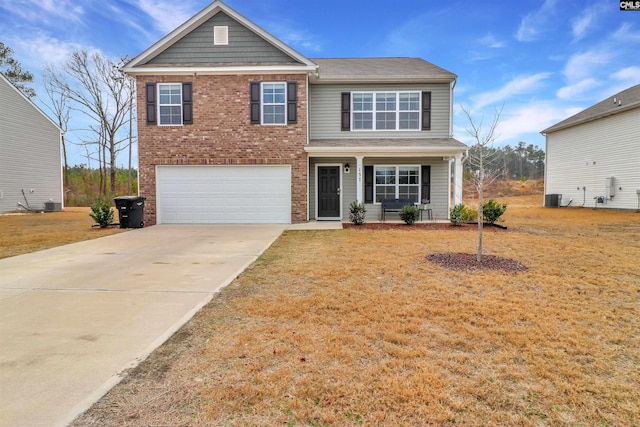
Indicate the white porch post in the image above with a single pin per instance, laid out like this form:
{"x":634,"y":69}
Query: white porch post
{"x":359,"y":177}
{"x":457,"y":180}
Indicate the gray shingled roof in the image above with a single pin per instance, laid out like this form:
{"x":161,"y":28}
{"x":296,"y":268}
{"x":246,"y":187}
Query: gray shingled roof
{"x":626,"y":100}
{"x":335,"y":70}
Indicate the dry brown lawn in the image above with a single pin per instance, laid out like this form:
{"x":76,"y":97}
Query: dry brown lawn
{"x":29,"y":232}
{"x":356,"y":327}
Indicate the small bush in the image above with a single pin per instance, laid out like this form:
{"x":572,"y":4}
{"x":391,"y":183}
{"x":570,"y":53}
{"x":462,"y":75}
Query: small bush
{"x":492,"y":211}
{"x":357,"y":213}
{"x":409,"y":214}
{"x":460,"y":214}
{"x":102,"y":213}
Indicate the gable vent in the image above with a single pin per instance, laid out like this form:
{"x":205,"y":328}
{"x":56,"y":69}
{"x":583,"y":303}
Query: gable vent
{"x":220,"y":35}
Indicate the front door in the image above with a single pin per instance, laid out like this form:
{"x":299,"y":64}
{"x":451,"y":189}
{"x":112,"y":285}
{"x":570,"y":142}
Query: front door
{"x":329,"y":192}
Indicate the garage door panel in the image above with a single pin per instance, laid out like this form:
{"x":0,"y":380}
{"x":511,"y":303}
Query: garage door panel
{"x":224,"y":194}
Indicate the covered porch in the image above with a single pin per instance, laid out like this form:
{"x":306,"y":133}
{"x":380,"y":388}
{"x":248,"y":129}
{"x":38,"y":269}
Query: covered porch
{"x":426,"y":171}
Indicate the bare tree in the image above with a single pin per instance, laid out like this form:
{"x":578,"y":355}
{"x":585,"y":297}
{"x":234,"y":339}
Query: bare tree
{"x":101,"y":91}
{"x":58,"y":105}
{"x":479,"y":162}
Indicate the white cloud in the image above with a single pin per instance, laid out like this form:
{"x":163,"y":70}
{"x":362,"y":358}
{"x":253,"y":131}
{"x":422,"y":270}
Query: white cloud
{"x":297,"y":39}
{"x":34,"y":11}
{"x":490,"y":41}
{"x":631,"y":74}
{"x":42,"y":50}
{"x":517,"y":86}
{"x":584,"y":65}
{"x":535,"y":22}
{"x":167,"y":15}
{"x":586,"y":20}
{"x":574,"y":90}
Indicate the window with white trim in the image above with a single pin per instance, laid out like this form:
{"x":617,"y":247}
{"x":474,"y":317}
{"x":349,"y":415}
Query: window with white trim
{"x":170,"y":104}
{"x":385,"y":111}
{"x":397,"y":182}
{"x":274,"y":103}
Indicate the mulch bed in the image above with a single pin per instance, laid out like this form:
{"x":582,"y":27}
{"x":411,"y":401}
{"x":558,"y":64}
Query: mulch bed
{"x":467,"y":262}
{"x":422,"y":226}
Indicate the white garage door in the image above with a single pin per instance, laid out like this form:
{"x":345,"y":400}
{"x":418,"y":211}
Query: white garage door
{"x":223,"y":194}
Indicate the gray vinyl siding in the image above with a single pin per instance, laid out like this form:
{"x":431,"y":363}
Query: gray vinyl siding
{"x":30,"y":157}
{"x":439,"y":184}
{"x":587,"y":154}
{"x":325,"y":111}
{"x":244,"y":46}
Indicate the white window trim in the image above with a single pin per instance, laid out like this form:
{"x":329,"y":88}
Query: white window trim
{"x":262,"y":104}
{"x":397,"y":184}
{"x":173,"y":105}
{"x":397,"y":111}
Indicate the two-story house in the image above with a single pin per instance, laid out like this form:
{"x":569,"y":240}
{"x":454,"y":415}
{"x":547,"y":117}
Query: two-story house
{"x":235,"y":126}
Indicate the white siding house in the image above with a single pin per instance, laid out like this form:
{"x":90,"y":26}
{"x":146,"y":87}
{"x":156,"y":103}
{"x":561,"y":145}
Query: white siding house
{"x":30,"y":156}
{"x":593,"y":157}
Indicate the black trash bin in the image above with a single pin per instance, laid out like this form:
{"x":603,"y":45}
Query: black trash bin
{"x":130,"y":211}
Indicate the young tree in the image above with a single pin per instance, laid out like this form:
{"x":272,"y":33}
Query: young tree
{"x":480,"y":160}
{"x":13,"y":71}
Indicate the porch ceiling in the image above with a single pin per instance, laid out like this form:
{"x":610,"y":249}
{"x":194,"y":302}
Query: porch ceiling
{"x":386,"y":147}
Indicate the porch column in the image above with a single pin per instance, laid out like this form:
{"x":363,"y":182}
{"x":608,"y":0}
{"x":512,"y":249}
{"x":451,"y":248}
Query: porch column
{"x":457,"y":180}
{"x":359,"y":179}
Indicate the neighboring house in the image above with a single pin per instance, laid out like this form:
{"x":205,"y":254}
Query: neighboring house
{"x":30,"y":156}
{"x":237,"y":127}
{"x":593,"y":157}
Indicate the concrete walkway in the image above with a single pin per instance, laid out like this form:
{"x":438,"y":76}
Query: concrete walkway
{"x":73,"y":318}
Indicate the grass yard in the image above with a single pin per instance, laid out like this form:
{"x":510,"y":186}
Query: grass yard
{"x":356,"y":327}
{"x":29,"y":232}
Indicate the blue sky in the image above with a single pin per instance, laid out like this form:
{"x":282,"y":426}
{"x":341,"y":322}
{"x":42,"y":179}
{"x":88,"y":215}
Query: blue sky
{"x":543,"y":59}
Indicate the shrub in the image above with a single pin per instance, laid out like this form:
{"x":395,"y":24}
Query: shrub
{"x":460,"y":214}
{"x":102,"y":213}
{"x":492,"y":211}
{"x":409,"y":214}
{"x":357,"y":213}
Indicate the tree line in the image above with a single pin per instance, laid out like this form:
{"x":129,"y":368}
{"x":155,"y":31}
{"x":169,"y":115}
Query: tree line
{"x":84,"y":184}
{"x":524,"y":161}
{"x":93,"y":90}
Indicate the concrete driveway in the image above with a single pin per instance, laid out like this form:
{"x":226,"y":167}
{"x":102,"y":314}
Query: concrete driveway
{"x":74,"y":317}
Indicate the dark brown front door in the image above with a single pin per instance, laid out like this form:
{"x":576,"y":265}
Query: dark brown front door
{"x":328,"y":191}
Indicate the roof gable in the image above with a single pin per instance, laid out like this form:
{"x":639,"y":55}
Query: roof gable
{"x":20,"y":95}
{"x":626,"y":100}
{"x":191,"y":45}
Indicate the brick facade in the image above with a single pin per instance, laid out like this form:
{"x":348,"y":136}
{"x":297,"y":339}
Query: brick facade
{"x":221,"y":134}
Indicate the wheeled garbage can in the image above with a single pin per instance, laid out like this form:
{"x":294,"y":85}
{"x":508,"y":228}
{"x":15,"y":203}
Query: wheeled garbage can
{"x":130,"y":211}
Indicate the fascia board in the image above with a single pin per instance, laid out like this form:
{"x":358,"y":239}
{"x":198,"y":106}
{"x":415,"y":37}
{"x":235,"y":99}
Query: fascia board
{"x":384,"y":151}
{"x":247,"y":69}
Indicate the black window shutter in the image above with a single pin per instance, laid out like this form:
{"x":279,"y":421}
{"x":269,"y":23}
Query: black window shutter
{"x":254,"y":89}
{"x":426,"y":182}
{"x":151,"y":102}
{"x":187,"y":104}
{"x":292,"y":102}
{"x":346,"y":111}
{"x":368,"y":184}
{"x":426,"y":110}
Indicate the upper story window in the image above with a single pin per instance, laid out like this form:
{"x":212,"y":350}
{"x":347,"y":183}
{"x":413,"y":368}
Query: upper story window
{"x":377,"y":111}
{"x":385,"y":111}
{"x":170,"y":103}
{"x":273,"y":103}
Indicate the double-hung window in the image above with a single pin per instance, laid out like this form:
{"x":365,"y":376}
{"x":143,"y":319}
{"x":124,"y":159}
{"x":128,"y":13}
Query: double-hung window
{"x":170,"y":103}
{"x":274,"y":103}
{"x":385,"y":111}
{"x":397,"y":182}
